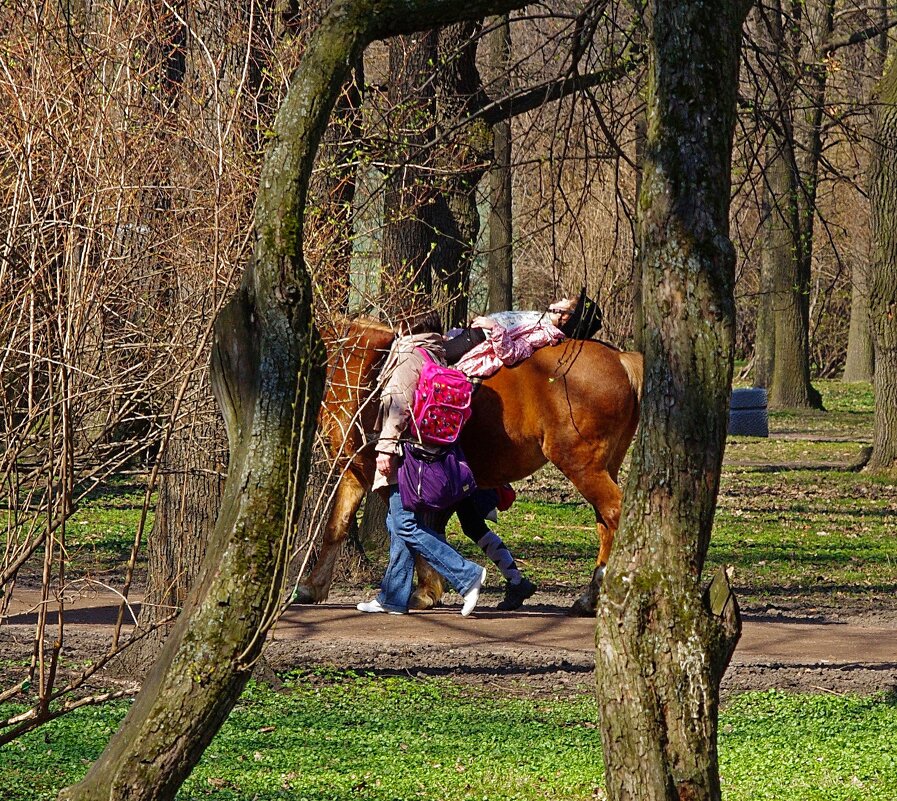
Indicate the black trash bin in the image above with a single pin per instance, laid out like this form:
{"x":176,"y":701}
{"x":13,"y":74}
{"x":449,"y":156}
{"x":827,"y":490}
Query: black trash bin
{"x":747,"y":413}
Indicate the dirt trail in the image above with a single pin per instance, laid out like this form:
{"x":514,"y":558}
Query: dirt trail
{"x":538,"y":642}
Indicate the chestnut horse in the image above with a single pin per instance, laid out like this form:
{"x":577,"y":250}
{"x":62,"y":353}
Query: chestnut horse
{"x":575,"y":404}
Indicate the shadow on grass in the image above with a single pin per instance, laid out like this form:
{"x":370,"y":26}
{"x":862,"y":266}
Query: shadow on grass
{"x":784,"y":592}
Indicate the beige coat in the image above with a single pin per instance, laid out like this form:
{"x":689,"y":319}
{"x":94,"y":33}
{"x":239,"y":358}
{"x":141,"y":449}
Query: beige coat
{"x":398,"y":381}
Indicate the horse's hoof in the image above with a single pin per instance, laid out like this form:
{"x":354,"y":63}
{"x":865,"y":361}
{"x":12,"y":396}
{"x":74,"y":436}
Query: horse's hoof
{"x":582,"y":607}
{"x":303,"y":595}
{"x":421,"y":600}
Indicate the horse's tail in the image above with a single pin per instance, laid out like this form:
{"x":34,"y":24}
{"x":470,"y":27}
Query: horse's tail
{"x":634,"y":365}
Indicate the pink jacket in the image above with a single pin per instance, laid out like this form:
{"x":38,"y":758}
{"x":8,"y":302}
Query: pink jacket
{"x":507,"y":346}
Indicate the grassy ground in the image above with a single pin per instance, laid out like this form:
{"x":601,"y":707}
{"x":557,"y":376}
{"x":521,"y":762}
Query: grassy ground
{"x":342,"y":736}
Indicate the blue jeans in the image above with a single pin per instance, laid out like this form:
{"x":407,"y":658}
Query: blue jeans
{"x":407,"y":537}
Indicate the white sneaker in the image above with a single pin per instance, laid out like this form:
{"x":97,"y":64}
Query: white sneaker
{"x":472,"y":595}
{"x":376,"y":606}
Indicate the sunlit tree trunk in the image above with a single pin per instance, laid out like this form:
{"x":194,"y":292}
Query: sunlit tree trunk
{"x":883,"y":274}
{"x":859,"y":364}
{"x":662,"y":645}
{"x":774,"y":229}
{"x":791,"y":189}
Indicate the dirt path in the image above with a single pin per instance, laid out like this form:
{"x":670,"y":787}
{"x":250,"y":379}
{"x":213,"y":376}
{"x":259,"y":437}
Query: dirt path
{"x":539,"y":646}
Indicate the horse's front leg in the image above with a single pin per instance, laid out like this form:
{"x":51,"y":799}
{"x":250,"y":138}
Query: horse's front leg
{"x":316,"y":587}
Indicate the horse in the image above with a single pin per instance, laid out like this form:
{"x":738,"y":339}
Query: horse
{"x":575,"y":404}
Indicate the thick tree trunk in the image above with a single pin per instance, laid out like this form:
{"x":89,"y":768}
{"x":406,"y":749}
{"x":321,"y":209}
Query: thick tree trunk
{"x":791,"y":188}
{"x":786,"y":268}
{"x":463,"y":162}
{"x":431,"y":210}
{"x":662,"y":647}
{"x":190,"y":489}
{"x":409,"y":197}
{"x":268,"y":371}
{"x":500,"y":265}
{"x":883,"y":278}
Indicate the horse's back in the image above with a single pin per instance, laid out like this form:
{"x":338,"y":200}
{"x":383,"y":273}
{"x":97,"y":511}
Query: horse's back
{"x":577,"y":394}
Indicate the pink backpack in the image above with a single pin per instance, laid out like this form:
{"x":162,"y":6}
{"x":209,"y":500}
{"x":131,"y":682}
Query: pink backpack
{"x":441,"y":403}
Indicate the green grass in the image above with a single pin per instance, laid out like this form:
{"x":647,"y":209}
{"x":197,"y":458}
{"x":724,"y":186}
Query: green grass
{"x":786,"y":534}
{"x":100,"y":532}
{"x":341,"y":736}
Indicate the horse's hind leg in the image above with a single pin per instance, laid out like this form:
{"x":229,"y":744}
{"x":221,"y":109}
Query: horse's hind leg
{"x":316,"y":587}
{"x":430,"y":585}
{"x":604,"y":494}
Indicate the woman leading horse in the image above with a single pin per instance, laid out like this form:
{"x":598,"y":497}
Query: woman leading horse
{"x":575,"y":404}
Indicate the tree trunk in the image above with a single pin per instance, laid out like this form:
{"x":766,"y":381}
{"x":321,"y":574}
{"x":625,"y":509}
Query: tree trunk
{"x":459,"y":90}
{"x":783,"y":266}
{"x":500,"y":266}
{"x":190,"y":487}
{"x":860,"y":362}
{"x":883,"y":278}
{"x":792,"y":194}
{"x":774,"y":228}
{"x":408,"y":201}
{"x":432,"y":220}
{"x":638,"y":313}
{"x":662,"y":647}
{"x":268,"y":372}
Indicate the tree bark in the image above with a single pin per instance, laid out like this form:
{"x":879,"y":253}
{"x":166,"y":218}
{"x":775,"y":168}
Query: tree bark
{"x":859,"y":364}
{"x":774,"y":229}
{"x":462,"y":163}
{"x":662,"y":647}
{"x":500,"y":265}
{"x":408,"y":201}
{"x":268,"y":370}
{"x":190,"y":488}
{"x":883,"y":278}
{"x":638,"y":313}
{"x":791,"y":189}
